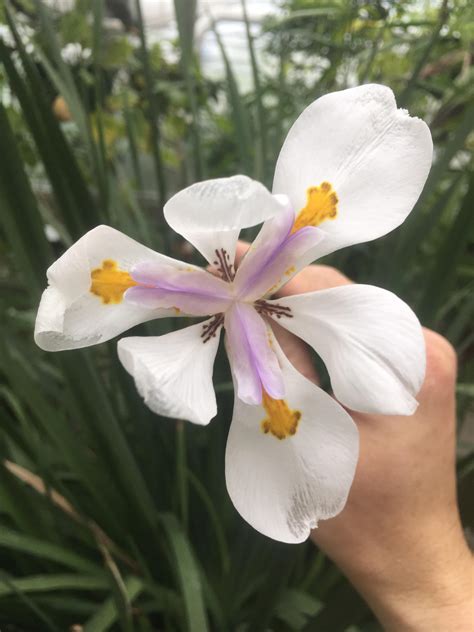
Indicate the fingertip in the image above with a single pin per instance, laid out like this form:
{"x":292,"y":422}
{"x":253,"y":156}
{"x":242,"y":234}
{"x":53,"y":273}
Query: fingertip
{"x":314,"y":278}
{"x":441,"y":364}
{"x":242,"y":247}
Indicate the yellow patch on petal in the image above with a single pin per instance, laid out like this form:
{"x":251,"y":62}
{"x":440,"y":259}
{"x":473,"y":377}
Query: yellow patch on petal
{"x":281,"y":421}
{"x":110,"y":283}
{"x":321,"y":205}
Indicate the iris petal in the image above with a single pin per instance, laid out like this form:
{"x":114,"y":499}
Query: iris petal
{"x":254,"y":364}
{"x":190,"y":290}
{"x":275,"y":257}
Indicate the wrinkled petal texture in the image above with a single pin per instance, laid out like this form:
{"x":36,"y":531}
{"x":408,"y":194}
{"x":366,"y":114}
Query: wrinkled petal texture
{"x":274,"y":257}
{"x":211,"y":214}
{"x":173,"y":373}
{"x":193,"y":291}
{"x":284,"y":487}
{"x":252,"y":358}
{"x":374,"y":155}
{"x":69,"y":315}
{"x":369,"y":339}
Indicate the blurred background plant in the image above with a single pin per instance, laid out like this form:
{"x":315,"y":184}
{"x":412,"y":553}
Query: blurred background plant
{"x":112,"y":518}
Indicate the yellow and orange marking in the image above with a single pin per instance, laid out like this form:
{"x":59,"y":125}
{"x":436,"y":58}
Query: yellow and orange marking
{"x":110,"y":283}
{"x":321,"y":205}
{"x":281,"y":421}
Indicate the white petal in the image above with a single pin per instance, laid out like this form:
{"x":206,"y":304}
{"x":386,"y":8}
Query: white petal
{"x":369,"y":339}
{"x":210,"y":214}
{"x":375,"y":157}
{"x":69,"y":315}
{"x":284,"y":487}
{"x":173,"y":373}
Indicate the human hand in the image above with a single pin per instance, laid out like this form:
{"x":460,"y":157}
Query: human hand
{"x":399,"y":539}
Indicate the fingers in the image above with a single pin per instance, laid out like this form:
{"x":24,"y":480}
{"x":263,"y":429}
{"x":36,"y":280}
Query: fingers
{"x":313,"y":278}
{"x":437,"y":393}
{"x":310,"y":279}
{"x":242,"y":247}
{"x":296,"y":351}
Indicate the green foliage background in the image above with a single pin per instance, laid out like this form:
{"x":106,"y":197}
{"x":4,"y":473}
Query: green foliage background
{"x":110,"y":517}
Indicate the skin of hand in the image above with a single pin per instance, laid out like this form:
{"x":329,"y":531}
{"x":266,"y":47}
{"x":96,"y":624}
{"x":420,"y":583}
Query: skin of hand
{"x":399,"y":539}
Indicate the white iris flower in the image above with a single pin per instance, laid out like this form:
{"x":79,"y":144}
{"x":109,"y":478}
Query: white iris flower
{"x":350,"y":170}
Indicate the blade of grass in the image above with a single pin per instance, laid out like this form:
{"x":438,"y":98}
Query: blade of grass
{"x":463,"y":318}
{"x":91,"y":397}
{"x":153,"y":111}
{"x":450,"y":253}
{"x":185,"y":11}
{"x":53,"y":582}
{"x":61,"y":75}
{"x":239,"y":113}
{"x":24,"y":543}
{"x":20,"y":216}
{"x":29,"y":603}
{"x":74,"y":200}
{"x":260,"y":172}
{"x":74,"y":449}
{"x":188,"y":574}
{"x":97,"y":46}
{"x":408,"y":93}
{"x":129,"y":126}
{"x":181,"y":477}
{"x":119,"y":590}
{"x":343,"y":608}
{"x":108,"y":614}
{"x":419,"y":221}
{"x":214,"y":516}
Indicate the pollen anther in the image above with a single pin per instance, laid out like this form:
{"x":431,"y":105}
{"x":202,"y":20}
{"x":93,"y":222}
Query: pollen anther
{"x":264,"y":308}
{"x":210,"y":329}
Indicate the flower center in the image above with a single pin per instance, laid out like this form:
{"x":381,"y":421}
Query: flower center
{"x":321,"y":204}
{"x":281,"y":421}
{"x":110,"y":283}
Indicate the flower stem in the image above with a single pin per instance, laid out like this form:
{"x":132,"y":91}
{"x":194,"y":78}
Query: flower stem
{"x":181,"y":475}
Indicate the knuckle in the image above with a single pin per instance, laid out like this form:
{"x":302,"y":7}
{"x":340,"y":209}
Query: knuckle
{"x":313,"y":278}
{"x":441,"y":359}
{"x":332,"y":276}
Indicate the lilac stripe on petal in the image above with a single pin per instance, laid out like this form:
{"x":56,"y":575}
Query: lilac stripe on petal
{"x":190,"y":290}
{"x":254,"y":363}
{"x":275,"y":256}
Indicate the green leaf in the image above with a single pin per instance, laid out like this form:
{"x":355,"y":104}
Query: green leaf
{"x":72,"y":194}
{"x":260,"y":171}
{"x":153,"y":113}
{"x":185,"y":11}
{"x":29,"y":603}
{"x":295,"y":607}
{"x":16,"y":541}
{"x":188,"y":574}
{"x":239,"y":113}
{"x":20,"y":215}
{"x":53,"y":583}
{"x":449,"y":255}
{"x":108,"y":613}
